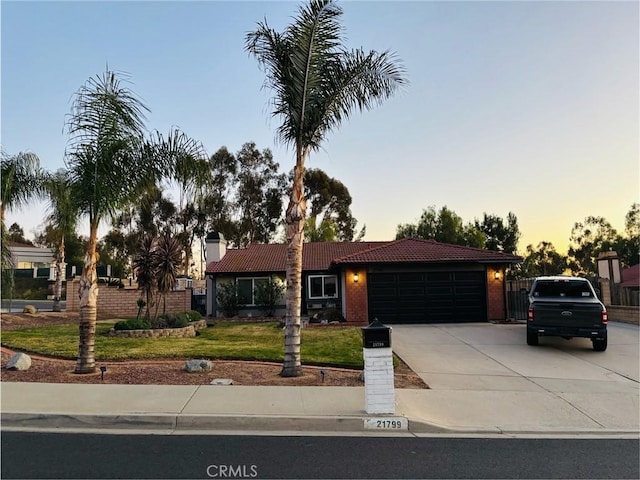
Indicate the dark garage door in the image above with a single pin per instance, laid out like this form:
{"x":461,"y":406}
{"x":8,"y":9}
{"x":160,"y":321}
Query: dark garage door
{"x":427,"y":297}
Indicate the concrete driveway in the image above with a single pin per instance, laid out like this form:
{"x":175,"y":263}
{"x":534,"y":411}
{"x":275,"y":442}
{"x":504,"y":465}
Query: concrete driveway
{"x":489,"y":371}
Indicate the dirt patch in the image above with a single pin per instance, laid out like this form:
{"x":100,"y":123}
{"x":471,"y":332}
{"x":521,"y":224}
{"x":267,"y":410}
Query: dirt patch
{"x":172,"y":372}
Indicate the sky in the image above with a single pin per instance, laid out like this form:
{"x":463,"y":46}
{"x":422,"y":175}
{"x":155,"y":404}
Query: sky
{"x":523,"y":107}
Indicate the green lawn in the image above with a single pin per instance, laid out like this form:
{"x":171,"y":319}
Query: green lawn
{"x":226,"y":340}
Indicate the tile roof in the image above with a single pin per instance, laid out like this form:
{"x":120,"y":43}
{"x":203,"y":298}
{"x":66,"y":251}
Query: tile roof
{"x":272,"y":257}
{"x":417,"y":250}
{"x":322,"y":255}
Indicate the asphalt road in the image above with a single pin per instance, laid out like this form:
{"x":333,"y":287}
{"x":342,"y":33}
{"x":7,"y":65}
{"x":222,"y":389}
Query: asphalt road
{"x":54,"y":455}
{"x":17,"y":305}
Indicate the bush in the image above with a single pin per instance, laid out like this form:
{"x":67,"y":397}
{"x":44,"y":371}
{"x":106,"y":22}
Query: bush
{"x":170,"y":320}
{"x":194,"y":315}
{"x":333,"y":315}
{"x":132,"y":324}
{"x":228,"y":299}
{"x":268,"y":294}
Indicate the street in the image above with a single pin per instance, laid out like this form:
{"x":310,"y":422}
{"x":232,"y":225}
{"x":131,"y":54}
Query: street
{"x":59,"y":455}
{"x":17,"y":305}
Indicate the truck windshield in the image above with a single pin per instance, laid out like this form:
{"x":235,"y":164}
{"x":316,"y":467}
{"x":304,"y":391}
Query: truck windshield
{"x":562,"y":288}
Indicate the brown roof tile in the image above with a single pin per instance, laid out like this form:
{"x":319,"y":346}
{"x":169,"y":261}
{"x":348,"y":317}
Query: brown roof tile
{"x":416,"y":250}
{"x":272,"y":257}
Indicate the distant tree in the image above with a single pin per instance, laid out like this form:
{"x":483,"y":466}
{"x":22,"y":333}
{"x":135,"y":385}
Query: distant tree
{"x":329,"y":202}
{"x":542,"y":260}
{"x":442,"y":226}
{"x":16,"y":234}
{"x":317,"y":83}
{"x":258,"y":196}
{"x":588,"y":239}
{"x":500,"y":236}
{"x":327,"y":231}
{"x":628,"y":246}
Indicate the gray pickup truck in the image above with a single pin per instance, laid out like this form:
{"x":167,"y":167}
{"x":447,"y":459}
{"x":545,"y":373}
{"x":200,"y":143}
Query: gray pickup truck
{"x":566,"y":307}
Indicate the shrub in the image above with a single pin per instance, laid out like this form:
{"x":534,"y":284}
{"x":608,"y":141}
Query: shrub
{"x":132,"y":324}
{"x":333,"y":315}
{"x":228,"y":299}
{"x":268,"y":294}
{"x":194,"y":315}
{"x":170,"y":320}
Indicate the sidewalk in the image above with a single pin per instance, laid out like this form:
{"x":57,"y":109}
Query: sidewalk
{"x":170,"y":409}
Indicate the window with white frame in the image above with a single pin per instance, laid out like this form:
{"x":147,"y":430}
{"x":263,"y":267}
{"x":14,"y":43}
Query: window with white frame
{"x":323,"y":286}
{"x":247,"y":289}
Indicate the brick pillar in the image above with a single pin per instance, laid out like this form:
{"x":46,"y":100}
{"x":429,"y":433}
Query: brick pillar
{"x":378,"y":381}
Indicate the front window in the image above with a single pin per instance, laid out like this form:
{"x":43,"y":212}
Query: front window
{"x":247,"y":289}
{"x":323,"y":286}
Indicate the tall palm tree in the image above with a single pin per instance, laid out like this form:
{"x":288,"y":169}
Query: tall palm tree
{"x":111,"y":164}
{"x":63,"y":216}
{"x":317,"y":83}
{"x":108,"y":164}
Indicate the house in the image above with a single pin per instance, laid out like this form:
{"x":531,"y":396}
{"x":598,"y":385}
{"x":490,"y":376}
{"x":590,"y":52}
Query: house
{"x":402,"y":281}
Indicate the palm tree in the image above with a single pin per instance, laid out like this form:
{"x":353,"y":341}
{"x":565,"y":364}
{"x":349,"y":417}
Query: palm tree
{"x":21,"y":180}
{"x":143,"y":265}
{"x":63,"y":217}
{"x":317,"y":83}
{"x":111,"y":164}
{"x":168,"y":257}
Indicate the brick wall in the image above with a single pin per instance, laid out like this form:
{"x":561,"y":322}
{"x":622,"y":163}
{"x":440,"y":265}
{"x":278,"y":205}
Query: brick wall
{"x":495,"y":295}
{"x":356,"y":297}
{"x":619,"y":313}
{"x":122,"y":302}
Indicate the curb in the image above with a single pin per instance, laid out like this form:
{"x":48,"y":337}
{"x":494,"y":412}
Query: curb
{"x":269,"y":423}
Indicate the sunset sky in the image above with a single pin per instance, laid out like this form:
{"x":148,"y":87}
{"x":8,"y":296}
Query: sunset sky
{"x":528,"y":107}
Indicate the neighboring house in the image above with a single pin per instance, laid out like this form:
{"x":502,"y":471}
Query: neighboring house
{"x":402,"y":281}
{"x":30,"y":261}
{"x":28,"y":256}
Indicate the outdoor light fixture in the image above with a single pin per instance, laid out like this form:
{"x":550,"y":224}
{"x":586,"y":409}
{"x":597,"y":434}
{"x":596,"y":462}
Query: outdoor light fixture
{"x":355,"y":277}
{"x":102,"y":370}
{"x":496,"y":275}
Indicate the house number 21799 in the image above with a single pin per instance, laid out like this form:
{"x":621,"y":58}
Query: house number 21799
{"x":386,"y":423}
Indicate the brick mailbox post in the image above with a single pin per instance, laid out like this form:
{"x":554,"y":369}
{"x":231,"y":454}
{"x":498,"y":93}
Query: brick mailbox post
{"x":378,"y":369}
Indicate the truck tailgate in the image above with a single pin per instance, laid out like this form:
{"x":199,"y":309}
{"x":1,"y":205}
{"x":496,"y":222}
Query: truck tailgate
{"x":569,"y":314}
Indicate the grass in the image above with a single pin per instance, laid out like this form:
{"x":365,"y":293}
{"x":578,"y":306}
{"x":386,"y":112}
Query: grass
{"x":341,"y":347}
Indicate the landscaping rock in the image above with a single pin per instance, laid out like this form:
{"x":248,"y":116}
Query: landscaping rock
{"x":20,"y":361}
{"x":221,"y":381}
{"x":198,"y":366}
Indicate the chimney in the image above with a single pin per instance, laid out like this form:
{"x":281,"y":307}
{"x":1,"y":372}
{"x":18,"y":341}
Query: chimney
{"x":216,"y":247}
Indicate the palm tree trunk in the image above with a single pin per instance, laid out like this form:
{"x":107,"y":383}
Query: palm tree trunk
{"x":295,"y":236}
{"x":58,"y":287}
{"x":88,"y":293}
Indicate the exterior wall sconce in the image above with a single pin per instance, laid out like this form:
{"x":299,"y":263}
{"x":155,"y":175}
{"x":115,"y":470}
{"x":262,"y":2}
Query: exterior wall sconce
{"x":496,"y":275}
{"x":355,"y":277}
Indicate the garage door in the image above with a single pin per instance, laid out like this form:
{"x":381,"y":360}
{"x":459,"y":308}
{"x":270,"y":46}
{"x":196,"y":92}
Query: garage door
{"x":427,"y":297}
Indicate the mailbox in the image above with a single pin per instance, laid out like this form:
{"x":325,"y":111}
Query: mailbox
{"x":376,"y":335}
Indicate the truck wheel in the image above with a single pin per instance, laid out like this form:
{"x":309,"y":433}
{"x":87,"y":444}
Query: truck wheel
{"x":600,"y":344}
{"x":532,"y":338}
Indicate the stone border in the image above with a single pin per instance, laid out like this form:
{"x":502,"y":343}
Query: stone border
{"x":183,"y":332}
